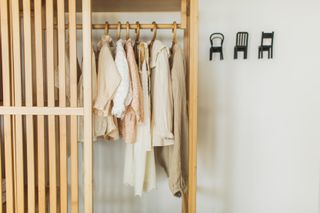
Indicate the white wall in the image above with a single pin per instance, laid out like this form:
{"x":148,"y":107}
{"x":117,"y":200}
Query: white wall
{"x":259,"y":138}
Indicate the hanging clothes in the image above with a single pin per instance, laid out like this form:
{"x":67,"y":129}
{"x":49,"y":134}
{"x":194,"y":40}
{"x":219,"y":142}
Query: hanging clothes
{"x":134,"y":112}
{"x":108,"y":82}
{"x":94,"y":96}
{"x":139,"y":169}
{"x":162,"y":103}
{"x":172,"y":158}
{"x":120,"y":97}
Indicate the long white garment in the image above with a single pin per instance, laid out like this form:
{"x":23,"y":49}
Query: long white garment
{"x":139,"y":169}
{"x":94,"y":96}
{"x":162,"y":100}
{"x":121,"y":94}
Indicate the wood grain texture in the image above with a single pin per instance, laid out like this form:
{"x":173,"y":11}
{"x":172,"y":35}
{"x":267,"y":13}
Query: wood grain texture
{"x":193,"y":106}
{"x":51,"y":103}
{"x":20,"y":206}
{"x":73,"y":103}
{"x":5,"y":42}
{"x":41,"y":111}
{"x":87,"y":103}
{"x":29,"y":102}
{"x":40,"y":103}
{"x":62,"y":103}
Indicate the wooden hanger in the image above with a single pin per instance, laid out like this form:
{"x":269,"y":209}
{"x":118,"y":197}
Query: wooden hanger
{"x":174,"y":34}
{"x":118,"y":30}
{"x":127,"y":31}
{"x":138,"y":32}
{"x":154,"y":30}
{"x":106,"y":28}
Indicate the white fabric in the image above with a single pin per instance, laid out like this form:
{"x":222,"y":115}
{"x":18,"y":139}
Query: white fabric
{"x":139,"y":169}
{"x":162,"y":100}
{"x":108,"y":82}
{"x":121,"y":94}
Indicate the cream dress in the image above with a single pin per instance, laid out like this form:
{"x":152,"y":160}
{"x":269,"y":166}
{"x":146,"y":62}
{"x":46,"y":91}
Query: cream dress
{"x":139,"y":169}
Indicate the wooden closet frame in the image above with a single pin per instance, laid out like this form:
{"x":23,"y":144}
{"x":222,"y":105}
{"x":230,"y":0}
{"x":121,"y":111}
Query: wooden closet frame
{"x":12,"y":109}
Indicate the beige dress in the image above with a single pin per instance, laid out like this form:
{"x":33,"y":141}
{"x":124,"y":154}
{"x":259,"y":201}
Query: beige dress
{"x":139,"y":169}
{"x":172,"y":158}
{"x":108,"y":82}
{"x":134,"y":112}
{"x":162,"y":103}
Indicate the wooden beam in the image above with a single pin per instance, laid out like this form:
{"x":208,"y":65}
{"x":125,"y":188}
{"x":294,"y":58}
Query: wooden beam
{"x":193,"y":105}
{"x":5,"y":42}
{"x":73,"y":103}
{"x":87,"y":93}
{"x":40,"y":103}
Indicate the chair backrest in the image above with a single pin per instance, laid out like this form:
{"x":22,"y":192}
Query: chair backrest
{"x":242,"y":39}
{"x":265,"y":36}
{"x":218,"y":36}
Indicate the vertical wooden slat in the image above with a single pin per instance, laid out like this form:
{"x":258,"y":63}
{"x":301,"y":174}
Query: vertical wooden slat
{"x":40,"y":103}
{"x":1,"y":198}
{"x":87,"y":103}
{"x":18,"y":102}
{"x":29,"y":102}
{"x":184,"y":13}
{"x":73,"y":103}
{"x":4,"y":16}
{"x":51,"y":101}
{"x":193,"y":100}
{"x":62,"y":103}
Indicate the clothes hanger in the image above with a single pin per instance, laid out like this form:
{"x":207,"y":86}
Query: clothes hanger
{"x":106,"y":28}
{"x":174,"y":34}
{"x":127,"y":31}
{"x":154,"y":30}
{"x":137,"y":32}
{"x":118,"y":30}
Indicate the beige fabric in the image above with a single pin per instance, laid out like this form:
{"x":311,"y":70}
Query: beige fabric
{"x":139,"y":169}
{"x":134,"y":111}
{"x":172,"y":157}
{"x":162,"y":106}
{"x":108,"y":82}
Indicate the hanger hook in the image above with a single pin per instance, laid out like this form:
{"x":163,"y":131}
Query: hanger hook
{"x":106,"y":28}
{"x":137,"y":31}
{"x":127,"y":30}
{"x":118,"y":30}
{"x":174,"y":32}
{"x":154,"y":30}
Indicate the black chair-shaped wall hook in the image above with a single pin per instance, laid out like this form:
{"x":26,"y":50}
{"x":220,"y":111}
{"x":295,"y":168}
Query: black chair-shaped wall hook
{"x":216,"y":48}
{"x":266,"y":47}
{"x":241,"y":44}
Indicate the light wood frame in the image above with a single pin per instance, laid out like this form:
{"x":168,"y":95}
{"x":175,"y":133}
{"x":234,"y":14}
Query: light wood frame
{"x":14,"y":111}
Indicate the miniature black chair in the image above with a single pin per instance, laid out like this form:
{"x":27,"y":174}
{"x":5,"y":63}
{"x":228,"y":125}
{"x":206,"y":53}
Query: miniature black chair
{"x":266,"y":47}
{"x":216,"y":49}
{"x":241,"y":44}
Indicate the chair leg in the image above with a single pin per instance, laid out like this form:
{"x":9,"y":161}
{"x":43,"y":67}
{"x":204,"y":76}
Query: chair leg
{"x":210,"y":55}
{"x":221,"y":55}
{"x":271,"y":52}
{"x":245,"y":54}
{"x":259,"y":53}
{"x":235,"y":55}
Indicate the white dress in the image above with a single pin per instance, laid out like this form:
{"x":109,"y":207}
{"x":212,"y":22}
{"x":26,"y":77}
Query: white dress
{"x":139,"y":169}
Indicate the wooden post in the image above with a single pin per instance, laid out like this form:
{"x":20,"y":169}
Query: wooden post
{"x":87,"y":94}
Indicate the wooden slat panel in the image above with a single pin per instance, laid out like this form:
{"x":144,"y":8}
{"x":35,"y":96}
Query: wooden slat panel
{"x":73,"y":103}
{"x":40,"y":111}
{"x":4,"y":15}
{"x":87,"y":103}
{"x":51,"y":100}
{"x":40,"y":103}
{"x":193,"y":101}
{"x":62,"y":103}
{"x":18,"y":102}
{"x":1,"y":198}
{"x":29,"y":102}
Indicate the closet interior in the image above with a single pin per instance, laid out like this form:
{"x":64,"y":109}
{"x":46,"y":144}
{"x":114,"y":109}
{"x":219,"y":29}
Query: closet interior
{"x":39,"y":96}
